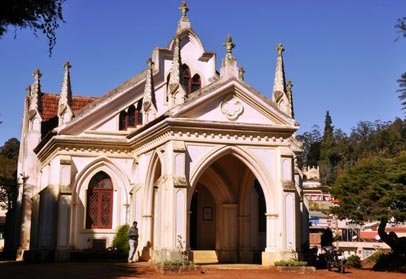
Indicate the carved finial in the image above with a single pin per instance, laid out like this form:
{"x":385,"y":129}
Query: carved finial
{"x":183,"y":8}
{"x":229,"y":45}
{"x":241,"y":73}
{"x":280,"y":49}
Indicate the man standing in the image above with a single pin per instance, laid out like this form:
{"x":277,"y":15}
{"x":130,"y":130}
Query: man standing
{"x":133,"y":241}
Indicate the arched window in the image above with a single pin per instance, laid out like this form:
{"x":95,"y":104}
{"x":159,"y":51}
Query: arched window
{"x":122,"y":121}
{"x":132,"y":117}
{"x":195,"y":83}
{"x":186,"y":77}
{"x":99,"y":210}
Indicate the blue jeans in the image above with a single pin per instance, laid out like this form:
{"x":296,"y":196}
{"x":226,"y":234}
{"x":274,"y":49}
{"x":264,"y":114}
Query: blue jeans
{"x":133,"y":246}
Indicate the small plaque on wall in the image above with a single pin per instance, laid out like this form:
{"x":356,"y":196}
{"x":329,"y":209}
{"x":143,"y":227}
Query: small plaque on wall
{"x":207,"y":213}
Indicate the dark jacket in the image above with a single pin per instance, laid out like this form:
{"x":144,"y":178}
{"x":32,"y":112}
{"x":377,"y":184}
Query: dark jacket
{"x":133,"y":233}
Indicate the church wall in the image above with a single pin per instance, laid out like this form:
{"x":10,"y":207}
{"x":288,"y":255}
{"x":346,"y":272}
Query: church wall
{"x":86,"y":167}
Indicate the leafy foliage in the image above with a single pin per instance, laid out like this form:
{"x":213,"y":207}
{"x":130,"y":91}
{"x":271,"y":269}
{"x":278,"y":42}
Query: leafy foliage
{"x":372,"y":189}
{"x":390,"y":262}
{"x":120,"y":241}
{"x":401,"y":26}
{"x":291,"y":262}
{"x":38,"y":15}
{"x":8,"y":173}
{"x":329,"y":153}
{"x":337,"y":151}
{"x":311,"y":147}
{"x":402,"y":90}
{"x":353,"y":261}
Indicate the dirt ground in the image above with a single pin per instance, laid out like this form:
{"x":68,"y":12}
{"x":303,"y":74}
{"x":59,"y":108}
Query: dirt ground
{"x":116,"y":270}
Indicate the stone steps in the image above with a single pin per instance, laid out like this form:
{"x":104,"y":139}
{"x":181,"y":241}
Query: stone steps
{"x":205,"y":257}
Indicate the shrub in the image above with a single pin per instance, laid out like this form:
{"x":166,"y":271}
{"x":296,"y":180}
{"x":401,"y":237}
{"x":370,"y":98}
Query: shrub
{"x":291,"y":262}
{"x":375,"y":256}
{"x":353,"y":261}
{"x":391,"y":262}
{"x":120,"y":241}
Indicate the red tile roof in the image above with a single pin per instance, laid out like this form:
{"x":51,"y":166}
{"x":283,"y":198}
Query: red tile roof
{"x":49,"y":104}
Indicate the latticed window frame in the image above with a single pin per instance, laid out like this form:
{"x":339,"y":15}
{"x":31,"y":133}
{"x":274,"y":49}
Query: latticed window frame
{"x":100,"y":213}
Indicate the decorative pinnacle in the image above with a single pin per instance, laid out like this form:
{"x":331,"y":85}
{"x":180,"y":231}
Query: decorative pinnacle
{"x":183,"y":8}
{"x":241,"y":73}
{"x":149,"y":64}
{"x":280,"y":49}
{"x":229,"y":45}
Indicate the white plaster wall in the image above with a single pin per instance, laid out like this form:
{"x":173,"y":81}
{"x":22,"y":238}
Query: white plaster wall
{"x":118,"y":170}
{"x":212,"y":112}
{"x":109,"y":125}
{"x":197,"y":152}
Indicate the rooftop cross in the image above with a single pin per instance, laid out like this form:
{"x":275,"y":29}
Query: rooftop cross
{"x":280,"y":49}
{"x":229,"y":45}
{"x":37,"y":74}
{"x":183,"y":8}
{"x":67,"y":65}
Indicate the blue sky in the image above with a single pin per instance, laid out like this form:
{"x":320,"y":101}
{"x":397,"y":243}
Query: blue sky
{"x":340,"y":54}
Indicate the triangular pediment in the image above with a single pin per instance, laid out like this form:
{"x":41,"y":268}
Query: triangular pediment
{"x":235,"y":102}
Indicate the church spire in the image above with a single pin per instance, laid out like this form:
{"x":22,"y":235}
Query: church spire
{"x":65,"y":113}
{"x":35,"y":91}
{"x":174,"y":80}
{"x":184,"y":22}
{"x":177,"y":93}
{"x":66,"y":91}
{"x":229,"y":65}
{"x":279,"y":82}
{"x":148,"y":104}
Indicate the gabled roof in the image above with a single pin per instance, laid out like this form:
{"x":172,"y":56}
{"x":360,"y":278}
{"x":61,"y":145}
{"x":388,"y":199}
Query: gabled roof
{"x":195,"y":99}
{"x":48,"y":107}
{"x":49,"y":104}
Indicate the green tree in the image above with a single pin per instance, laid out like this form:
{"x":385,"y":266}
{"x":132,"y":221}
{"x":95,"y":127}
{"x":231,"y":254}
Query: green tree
{"x":373,"y":189}
{"x":8,"y":173}
{"x":329,"y":154}
{"x":402,"y":90}
{"x":39,"y":15}
{"x":311,"y":146}
{"x":401,"y":27}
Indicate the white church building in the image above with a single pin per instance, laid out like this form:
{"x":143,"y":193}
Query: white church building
{"x":199,"y":158}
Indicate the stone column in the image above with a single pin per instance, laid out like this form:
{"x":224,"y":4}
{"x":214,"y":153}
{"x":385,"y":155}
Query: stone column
{"x":229,"y":232}
{"x":290,"y":222}
{"x":271,"y":231}
{"x":26,"y":193}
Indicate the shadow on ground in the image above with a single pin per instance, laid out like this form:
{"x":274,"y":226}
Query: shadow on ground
{"x":75,"y":270}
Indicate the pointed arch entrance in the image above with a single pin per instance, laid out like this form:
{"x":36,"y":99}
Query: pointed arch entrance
{"x":227,"y":212}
